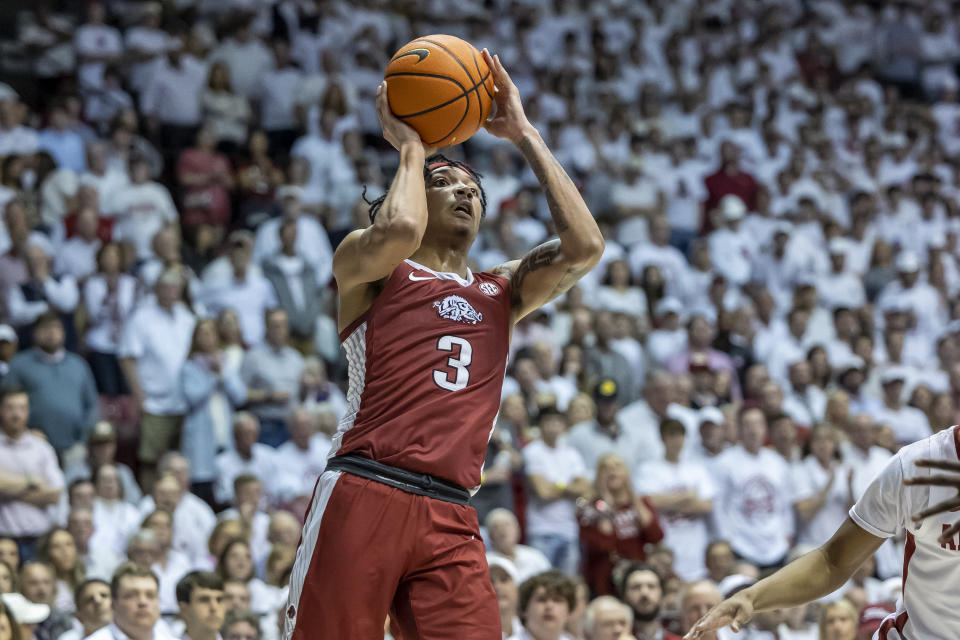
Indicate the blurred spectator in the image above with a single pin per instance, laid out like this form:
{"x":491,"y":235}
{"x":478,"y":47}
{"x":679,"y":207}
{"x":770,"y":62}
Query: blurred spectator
{"x":102,"y":449}
{"x":236,"y":563}
{"x":296,"y":286}
{"x":30,"y":479}
{"x":64,"y":144}
{"x":304,"y":456}
{"x":246,"y":456}
{"x":643,"y":592}
{"x":78,"y":255}
{"x":205,"y":176}
{"x":545,"y":603}
{"x":697,"y":599}
{"x":838,"y":621}
{"x":277,"y":93}
{"x":136,"y":611}
{"x":154,"y":346}
{"x":241,"y":624}
{"x":245,"y":55}
{"x":504,"y":579}
{"x":822,"y":488}
{"x":272,"y":374}
{"x":212,"y":389}
{"x":604,"y":434}
{"x":909,"y":424}
{"x":109,"y":297}
{"x":169,"y":564}
{"x":754,"y":505}
{"x":202,"y":605}
{"x":57,"y":549}
{"x":98,"y":561}
{"x":557,"y":477}
{"x":37,"y":584}
{"x":141,"y":208}
{"x":94,"y":609}
{"x":247,"y":498}
{"x":43,"y":293}
{"x":614,"y":524}
{"x":193,"y":519}
{"x":63,"y":395}
{"x":607,"y":618}
{"x":310,"y":240}
{"x":114,"y":518}
{"x":682,"y":493}
{"x":171,"y":97}
{"x":226,"y":114}
{"x":730,"y":178}
{"x":503,"y":530}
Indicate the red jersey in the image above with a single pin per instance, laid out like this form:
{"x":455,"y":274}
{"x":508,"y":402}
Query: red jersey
{"x":426,"y":365}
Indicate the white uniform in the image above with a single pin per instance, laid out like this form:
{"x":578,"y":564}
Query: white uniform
{"x":929,"y":607}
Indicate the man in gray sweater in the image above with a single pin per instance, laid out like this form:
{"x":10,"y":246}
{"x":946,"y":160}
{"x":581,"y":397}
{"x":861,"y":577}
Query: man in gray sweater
{"x":63,"y":397}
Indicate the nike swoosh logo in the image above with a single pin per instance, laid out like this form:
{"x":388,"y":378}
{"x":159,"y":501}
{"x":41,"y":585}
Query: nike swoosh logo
{"x":415,"y":278}
{"x":420,"y":53}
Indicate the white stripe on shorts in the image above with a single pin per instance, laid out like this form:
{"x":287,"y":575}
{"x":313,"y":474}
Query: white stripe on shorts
{"x":311,"y":529}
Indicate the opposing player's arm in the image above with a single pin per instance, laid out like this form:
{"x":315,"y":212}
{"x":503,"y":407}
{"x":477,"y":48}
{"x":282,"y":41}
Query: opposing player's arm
{"x":554,"y":267}
{"x":812,"y":576}
{"x":370,"y":254}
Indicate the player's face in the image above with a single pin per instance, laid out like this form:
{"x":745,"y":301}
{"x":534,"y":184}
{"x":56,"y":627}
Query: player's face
{"x":453,"y":201}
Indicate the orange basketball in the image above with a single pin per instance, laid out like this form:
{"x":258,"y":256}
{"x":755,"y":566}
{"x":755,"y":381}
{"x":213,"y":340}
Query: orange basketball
{"x":441,"y":86}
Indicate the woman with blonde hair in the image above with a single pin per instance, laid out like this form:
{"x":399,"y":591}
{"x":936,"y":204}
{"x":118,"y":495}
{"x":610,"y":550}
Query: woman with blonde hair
{"x":838,"y":621}
{"x":615,"y":524}
{"x":57,"y":549}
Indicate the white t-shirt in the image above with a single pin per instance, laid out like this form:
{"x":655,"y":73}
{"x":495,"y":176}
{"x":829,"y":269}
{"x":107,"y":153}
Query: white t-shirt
{"x":929,"y":608}
{"x":529,"y":561}
{"x":558,"y":464}
{"x":809,"y":478}
{"x":754,"y":505}
{"x":687,"y":536}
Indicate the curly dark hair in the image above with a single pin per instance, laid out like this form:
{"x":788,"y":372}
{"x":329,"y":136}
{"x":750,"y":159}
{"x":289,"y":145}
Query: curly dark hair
{"x":432,"y":163}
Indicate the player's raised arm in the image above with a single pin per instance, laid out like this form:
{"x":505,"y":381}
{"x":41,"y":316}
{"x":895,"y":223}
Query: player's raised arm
{"x":812,"y":576}
{"x":373,"y":253}
{"x":554,"y":267}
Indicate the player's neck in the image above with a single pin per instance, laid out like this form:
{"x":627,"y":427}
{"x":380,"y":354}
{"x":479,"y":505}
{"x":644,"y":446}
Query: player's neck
{"x":443,"y":259}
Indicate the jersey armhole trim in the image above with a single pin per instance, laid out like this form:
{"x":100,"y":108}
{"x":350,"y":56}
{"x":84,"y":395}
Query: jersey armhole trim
{"x":363,"y":317}
{"x":866,"y":526}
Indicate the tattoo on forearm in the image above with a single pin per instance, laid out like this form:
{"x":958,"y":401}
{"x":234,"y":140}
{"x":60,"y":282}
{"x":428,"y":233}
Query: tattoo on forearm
{"x":540,"y":170}
{"x":545,"y":255}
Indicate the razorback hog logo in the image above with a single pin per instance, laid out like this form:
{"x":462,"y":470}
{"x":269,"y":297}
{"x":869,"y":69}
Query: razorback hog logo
{"x":457,"y":309}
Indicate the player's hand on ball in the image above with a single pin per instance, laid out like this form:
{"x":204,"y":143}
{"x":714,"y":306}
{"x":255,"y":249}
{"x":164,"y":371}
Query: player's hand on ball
{"x":734,"y":612}
{"x":395,"y":131}
{"x":509,"y":122}
{"x":939,"y":480}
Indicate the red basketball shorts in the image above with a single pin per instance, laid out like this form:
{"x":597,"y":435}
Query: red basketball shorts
{"x":368,"y":550}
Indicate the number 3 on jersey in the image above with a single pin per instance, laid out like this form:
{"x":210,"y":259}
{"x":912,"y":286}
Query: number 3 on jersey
{"x":459,"y":362}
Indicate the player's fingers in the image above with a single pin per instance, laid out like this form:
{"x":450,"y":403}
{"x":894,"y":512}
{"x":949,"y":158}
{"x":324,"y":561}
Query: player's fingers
{"x":934,"y":481}
{"x":940,"y":507}
{"x":942,"y":465}
{"x":947,"y":536}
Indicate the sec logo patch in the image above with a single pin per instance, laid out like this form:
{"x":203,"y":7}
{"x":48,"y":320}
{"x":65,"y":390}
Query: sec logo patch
{"x":489,"y":288}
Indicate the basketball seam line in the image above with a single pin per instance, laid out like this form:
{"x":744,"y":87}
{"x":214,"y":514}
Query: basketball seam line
{"x":464,"y":91}
{"x":465,"y":70}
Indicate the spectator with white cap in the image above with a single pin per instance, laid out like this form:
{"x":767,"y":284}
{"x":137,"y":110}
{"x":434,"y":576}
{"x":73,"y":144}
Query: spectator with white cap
{"x":909,"y":424}
{"x":668,"y":337}
{"x":312,"y":242}
{"x":923,"y":299}
{"x":730,"y":248}
{"x":24,"y":614}
{"x":840,"y":286}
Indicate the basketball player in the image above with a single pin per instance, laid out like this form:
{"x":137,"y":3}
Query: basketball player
{"x":389,"y":528}
{"x":930,"y":606}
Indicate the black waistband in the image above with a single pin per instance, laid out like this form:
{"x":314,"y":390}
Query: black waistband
{"x":420,"y":484}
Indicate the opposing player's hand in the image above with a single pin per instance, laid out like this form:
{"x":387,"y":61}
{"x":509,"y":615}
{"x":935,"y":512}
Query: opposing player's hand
{"x":734,"y":612}
{"x":396,"y":131}
{"x":939,"y":480}
{"x":509,"y":122}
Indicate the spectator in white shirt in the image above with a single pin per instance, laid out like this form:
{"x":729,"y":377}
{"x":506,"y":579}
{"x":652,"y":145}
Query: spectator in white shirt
{"x":503,"y":531}
{"x":682,"y":493}
{"x":247,"y":291}
{"x":247,"y":500}
{"x":841,"y":287}
{"x":312,"y":242}
{"x":247,"y":456}
{"x":43,"y":293}
{"x":93,"y":609}
{"x":823,"y":484}
{"x":605,"y":434}
{"x":754,"y":505}
{"x":171,"y":99}
{"x":104,"y":179}
{"x":135,"y":598}
{"x":224,"y":110}
{"x":803,"y":401}
{"x":277,"y":94}
{"x":202,"y":604}
{"x":145,"y":550}
{"x":193,"y":520}
{"x":304,"y":457}
{"x":109,"y":298}
{"x":77,"y":256}
{"x":246,"y":56}
{"x":557,"y":477}
{"x":97,"y":45}
{"x":730,"y":248}
{"x":909,"y":424}
{"x":154,"y":346}
{"x":141,"y":209}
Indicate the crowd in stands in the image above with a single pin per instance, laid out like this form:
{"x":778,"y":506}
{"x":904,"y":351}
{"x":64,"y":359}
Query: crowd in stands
{"x":776,"y":311}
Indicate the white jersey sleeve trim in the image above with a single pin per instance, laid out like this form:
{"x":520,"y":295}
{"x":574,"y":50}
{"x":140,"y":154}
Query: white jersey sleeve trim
{"x":866,"y":526}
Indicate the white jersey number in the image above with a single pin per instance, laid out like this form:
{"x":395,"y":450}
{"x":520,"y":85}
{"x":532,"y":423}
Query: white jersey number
{"x":460,"y":363}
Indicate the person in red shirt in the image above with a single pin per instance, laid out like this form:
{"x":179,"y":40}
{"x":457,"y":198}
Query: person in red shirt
{"x":729,"y":178}
{"x":615,"y":524}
